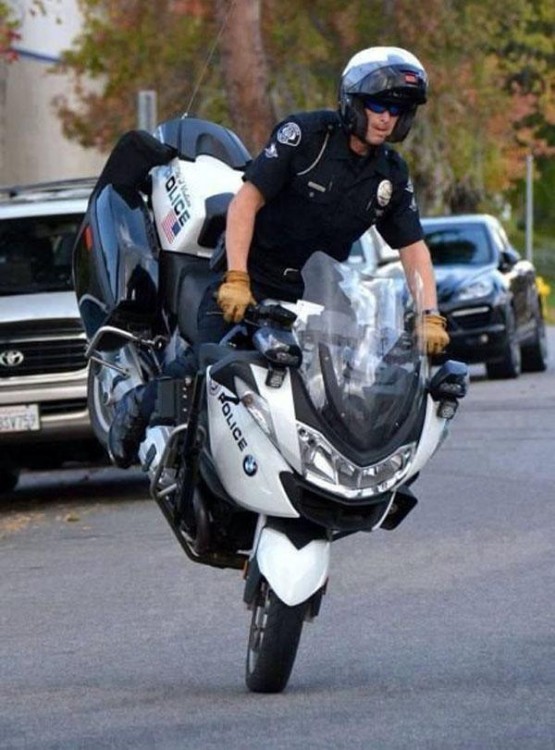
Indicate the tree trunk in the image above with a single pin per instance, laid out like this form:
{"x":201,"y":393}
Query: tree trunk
{"x":246,"y":71}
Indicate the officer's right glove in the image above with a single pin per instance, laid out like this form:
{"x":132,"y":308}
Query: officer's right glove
{"x":234,"y":295}
{"x":434,"y":334}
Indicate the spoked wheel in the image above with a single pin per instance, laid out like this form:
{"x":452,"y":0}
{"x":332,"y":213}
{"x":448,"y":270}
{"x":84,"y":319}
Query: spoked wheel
{"x":273,"y":641}
{"x":100,"y":413}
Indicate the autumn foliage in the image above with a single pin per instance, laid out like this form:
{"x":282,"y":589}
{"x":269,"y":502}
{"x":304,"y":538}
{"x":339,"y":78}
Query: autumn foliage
{"x":8,"y":33}
{"x":246,"y":63}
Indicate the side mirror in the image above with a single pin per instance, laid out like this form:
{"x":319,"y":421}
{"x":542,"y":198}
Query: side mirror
{"x":448,"y":385}
{"x":280,"y":347}
{"x":450,"y":381}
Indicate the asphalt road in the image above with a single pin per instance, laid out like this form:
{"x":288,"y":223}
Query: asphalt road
{"x":438,"y":635}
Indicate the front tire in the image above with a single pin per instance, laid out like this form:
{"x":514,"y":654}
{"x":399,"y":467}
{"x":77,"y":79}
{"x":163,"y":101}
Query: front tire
{"x":535,"y":355}
{"x":9,"y":477}
{"x":511,"y":363}
{"x":273,"y":641}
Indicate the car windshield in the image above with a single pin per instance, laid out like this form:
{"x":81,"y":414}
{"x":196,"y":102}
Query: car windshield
{"x":35,"y":254}
{"x":464,"y":244}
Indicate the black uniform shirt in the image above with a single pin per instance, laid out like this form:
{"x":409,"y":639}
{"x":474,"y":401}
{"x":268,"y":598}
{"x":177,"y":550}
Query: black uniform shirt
{"x":321,"y":196}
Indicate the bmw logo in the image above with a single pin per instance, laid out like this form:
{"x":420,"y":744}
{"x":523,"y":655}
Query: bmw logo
{"x":250,"y":467}
{"x":11,"y":358}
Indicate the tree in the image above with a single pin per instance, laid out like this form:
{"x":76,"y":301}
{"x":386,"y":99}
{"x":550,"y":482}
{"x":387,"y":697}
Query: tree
{"x":247,"y":63}
{"x":9,"y":25}
{"x":245,"y":69}
{"x":168,"y":46}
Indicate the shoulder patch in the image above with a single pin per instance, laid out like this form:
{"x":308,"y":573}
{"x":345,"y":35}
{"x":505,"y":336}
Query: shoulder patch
{"x":289,"y":134}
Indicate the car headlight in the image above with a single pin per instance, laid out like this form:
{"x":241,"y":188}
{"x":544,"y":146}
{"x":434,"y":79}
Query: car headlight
{"x":257,"y":407}
{"x":325,"y":467}
{"x":477,"y":289}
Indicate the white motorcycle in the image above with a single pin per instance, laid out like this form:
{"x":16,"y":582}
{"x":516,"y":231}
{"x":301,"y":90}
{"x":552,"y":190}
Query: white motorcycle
{"x":306,"y":424}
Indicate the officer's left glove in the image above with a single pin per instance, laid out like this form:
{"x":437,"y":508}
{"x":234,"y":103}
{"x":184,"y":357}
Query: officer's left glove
{"x":433,"y":333}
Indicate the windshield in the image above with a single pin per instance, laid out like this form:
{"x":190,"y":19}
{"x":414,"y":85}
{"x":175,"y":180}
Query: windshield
{"x":35,"y":254}
{"x":362,"y":365}
{"x":464,"y":244}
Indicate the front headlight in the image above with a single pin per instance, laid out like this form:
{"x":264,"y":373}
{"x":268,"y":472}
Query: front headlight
{"x":325,"y":467}
{"x":481,"y":288}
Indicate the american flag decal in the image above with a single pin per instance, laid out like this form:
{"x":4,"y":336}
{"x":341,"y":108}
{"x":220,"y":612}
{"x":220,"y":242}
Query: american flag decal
{"x":171,"y":226}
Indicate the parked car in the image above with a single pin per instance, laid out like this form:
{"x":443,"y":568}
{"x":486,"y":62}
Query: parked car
{"x":44,"y":419}
{"x":487,"y":292}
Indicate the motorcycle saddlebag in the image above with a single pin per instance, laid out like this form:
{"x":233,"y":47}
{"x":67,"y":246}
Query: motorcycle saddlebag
{"x":116,"y":263}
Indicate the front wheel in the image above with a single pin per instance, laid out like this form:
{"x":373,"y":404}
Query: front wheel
{"x":9,"y":477}
{"x":535,"y":355}
{"x":273,"y":641}
{"x":511,"y":363}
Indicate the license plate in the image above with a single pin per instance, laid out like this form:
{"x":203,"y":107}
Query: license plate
{"x":19,"y":418}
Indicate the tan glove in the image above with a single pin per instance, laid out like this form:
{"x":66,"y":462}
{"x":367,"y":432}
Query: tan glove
{"x":234,"y":295}
{"x":433,"y":333}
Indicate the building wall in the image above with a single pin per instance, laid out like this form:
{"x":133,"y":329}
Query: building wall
{"x":34,"y":147}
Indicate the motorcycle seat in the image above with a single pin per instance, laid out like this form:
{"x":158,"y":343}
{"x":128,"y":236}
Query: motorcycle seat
{"x":194,"y":282}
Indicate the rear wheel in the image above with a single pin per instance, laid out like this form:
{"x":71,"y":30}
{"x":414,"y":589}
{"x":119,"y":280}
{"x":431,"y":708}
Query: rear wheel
{"x":273,"y":641}
{"x":534,"y":356}
{"x":510,"y":365}
{"x":100,"y":412}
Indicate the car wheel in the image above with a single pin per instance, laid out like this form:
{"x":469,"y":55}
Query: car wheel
{"x":511,"y":363}
{"x":9,"y":478}
{"x":534,"y":356}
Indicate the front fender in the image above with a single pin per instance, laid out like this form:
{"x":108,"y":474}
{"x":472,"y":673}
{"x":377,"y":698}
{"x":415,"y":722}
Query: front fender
{"x":294,"y":574}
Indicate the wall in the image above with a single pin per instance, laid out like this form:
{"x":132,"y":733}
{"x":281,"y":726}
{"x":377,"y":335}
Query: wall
{"x":34,"y":147}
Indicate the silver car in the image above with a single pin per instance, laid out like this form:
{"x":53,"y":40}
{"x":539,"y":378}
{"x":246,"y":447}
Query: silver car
{"x":44,"y":419}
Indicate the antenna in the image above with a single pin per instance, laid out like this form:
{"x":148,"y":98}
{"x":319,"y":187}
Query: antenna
{"x":210,"y":56}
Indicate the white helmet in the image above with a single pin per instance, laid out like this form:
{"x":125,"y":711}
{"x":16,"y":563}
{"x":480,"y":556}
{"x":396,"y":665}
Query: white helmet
{"x":389,"y":74}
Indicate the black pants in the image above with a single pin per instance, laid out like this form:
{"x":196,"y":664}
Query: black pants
{"x":211,"y":329}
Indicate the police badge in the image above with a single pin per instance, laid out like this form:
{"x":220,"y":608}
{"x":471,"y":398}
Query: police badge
{"x":384,"y":193}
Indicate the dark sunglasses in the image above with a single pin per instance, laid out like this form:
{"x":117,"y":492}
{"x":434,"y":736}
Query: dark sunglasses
{"x":379,"y":107}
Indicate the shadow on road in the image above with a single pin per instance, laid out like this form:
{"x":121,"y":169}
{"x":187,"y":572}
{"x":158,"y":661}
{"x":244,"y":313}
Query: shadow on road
{"x":40,"y":490}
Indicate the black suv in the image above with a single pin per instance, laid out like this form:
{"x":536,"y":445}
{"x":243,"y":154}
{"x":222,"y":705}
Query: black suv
{"x":489,"y":295}
{"x":487,"y":292}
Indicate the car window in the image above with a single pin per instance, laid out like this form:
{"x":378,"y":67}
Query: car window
{"x":464,"y":244}
{"x":35,"y":254}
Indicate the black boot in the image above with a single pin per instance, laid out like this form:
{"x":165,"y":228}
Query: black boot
{"x":128,"y":428}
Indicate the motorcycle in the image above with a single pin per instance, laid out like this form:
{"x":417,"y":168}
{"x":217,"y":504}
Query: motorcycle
{"x":307,"y":423}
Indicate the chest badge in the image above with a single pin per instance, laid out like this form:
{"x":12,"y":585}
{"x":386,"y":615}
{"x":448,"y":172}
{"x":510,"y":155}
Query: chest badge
{"x":384,"y":193}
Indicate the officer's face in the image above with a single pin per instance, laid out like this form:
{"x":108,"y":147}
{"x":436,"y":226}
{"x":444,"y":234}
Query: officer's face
{"x":380,"y":126}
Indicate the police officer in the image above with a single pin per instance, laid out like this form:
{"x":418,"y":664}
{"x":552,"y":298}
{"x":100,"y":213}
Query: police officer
{"x":322,"y":180}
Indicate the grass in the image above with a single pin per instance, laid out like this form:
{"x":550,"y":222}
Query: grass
{"x":549,"y":301}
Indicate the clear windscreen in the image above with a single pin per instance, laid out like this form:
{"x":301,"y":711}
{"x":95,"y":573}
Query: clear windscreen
{"x":363,"y":364}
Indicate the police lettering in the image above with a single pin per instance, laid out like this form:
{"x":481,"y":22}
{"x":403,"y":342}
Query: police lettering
{"x":176,"y":195}
{"x":234,"y":429}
